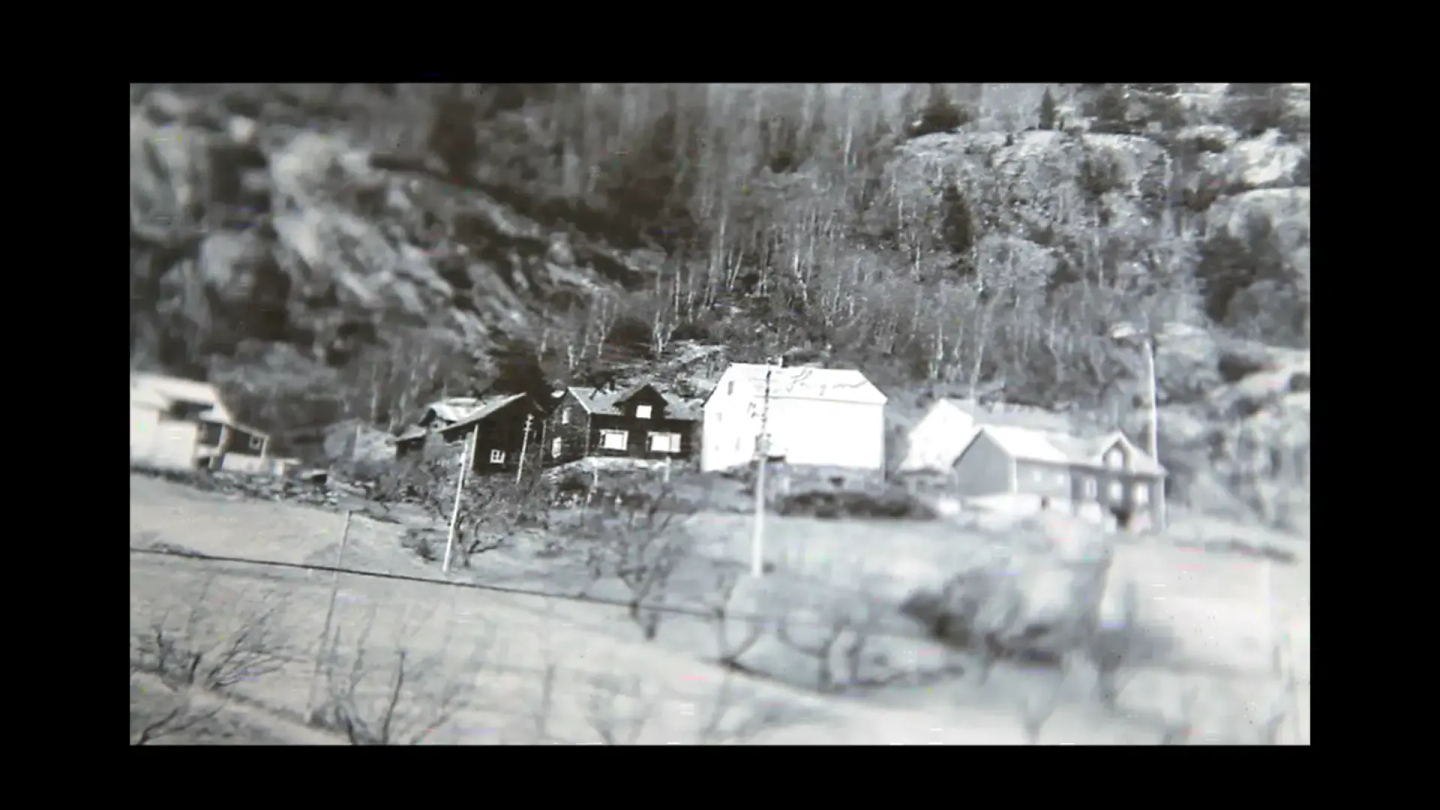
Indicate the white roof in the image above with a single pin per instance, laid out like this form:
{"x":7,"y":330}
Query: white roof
{"x":486,"y":406}
{"x":1002,"y":414}
{"x":1024,"y":443}
{"x":1028,"y":444}
{"x":158,"y":389}
{"x":455,"y":408}
{"x":803,"y":382}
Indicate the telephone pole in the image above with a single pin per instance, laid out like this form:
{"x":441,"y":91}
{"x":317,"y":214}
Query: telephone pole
{"x":757,"y":540}
{"x":524,"y":442}
{"x":467,"y":458}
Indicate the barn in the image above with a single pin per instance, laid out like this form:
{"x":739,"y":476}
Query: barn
{"x":816,"y":417}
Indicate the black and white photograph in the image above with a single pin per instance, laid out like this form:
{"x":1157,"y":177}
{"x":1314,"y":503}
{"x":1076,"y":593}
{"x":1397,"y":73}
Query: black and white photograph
{"x":720,"y":414}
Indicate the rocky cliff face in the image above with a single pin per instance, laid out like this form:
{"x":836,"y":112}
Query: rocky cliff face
{"x":244,"y":233}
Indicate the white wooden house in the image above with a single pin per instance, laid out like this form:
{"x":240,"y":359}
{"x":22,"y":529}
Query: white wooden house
{"x":181,"y":424}
{"x":1101,"y":477}
{"x":935,"y":441}
{"x":816,"y":416}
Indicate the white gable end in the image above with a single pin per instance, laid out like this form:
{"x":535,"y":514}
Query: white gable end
{"x":938,"y":438}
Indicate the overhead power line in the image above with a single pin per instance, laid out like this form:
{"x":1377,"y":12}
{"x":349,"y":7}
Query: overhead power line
{"x":702,"y":613}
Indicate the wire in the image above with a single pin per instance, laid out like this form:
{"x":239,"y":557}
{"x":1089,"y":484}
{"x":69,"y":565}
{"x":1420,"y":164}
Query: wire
{"x":517,"y":591}
{"x":867,"y":630}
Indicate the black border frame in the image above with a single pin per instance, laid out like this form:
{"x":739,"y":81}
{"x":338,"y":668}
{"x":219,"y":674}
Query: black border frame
{"x":65,"y":212}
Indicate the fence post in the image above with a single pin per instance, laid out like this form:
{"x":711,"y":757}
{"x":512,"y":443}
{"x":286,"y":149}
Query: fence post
{"x":329,"y":616}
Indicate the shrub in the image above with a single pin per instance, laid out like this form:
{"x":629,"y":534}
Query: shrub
{"x":893,"y":504}
{"x":1047,"y":110}
{"x":939,"y":114}
{"x":1038,"y":600}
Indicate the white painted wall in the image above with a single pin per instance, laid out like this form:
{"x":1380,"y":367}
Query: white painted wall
{"x":938,"y":438}
{"x":143,"y":422}
{"x":162,"y":443}
{"x":825,"y":433}
{"x":235,"y":462}
{"x":805,"y":431}
{"x":729,"y":428}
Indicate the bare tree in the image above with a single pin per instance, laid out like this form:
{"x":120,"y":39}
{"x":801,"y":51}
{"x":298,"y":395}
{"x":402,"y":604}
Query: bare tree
{"x":1179,"y":716}
{"x":618,"y":709}
{"x":642,"y":552}
{"x":493,"y":511}
{"x":821,"y":647}
{"x":379,"y":700}
{"x":621,"y":709}
{"x":604,"y":311}
{"x":180,"y":716}
{"x":727,"y":648}
{"x":1113,"y":650}
{"x":735,"y":720}
{"x":209,"y":651}
{"x":1038,"y":705}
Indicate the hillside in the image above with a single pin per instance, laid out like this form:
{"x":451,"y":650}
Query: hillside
{"x":352,"y":250}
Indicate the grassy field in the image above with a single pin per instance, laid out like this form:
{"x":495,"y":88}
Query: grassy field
{"x":500,"y":651}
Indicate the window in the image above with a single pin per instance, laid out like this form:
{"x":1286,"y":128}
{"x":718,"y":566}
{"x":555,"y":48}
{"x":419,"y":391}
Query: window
{"x":1090,"y":487}
{"x":256,"y":442}
{"x":1142,"y":494}
{"x":555,"y":447}
{"x":565,"y":417}
{"x":730,"y":389}
{"x":614,"y":439}
{"x":1115,"y":459}
{"x":664,"y":442}
{"x":497,"y":456}
{"x":1037,"y":474}
{"x":642,"y":411}
{"x":1117,"y":491}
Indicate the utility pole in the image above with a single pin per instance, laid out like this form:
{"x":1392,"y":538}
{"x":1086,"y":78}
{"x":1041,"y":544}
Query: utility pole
{"x":467,"y":458}
{"x":1154,"y":443}
{"x":329,"y":614}
{"x":524,"y":442}
{"x":757,"y":541}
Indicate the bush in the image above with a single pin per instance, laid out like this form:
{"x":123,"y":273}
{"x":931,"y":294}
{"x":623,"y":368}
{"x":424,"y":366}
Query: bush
{"x":940,"y":114}
{"x":1039,"y":600}
{"x":1047,"y":110}
{"x":894,"y":504}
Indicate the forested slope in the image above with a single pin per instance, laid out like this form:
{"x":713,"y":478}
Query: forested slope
{"x":329,"y":250}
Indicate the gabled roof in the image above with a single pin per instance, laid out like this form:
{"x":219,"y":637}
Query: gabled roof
{"x":607,"y":403}
{"x":1027,"y":444}
{"x":220,"y":417}
{"x":805,"y":382}
{"x":159,"y":390}
{"x":453,"y":409}
{"x":1140,"y":460}
{"x":470,"y":410}
{"x":486,"y":406}
{"x":1011,"y":415}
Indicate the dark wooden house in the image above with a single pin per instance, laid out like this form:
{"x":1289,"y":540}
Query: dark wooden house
{"x":636,"y":422}
{"x":501,"y":422}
